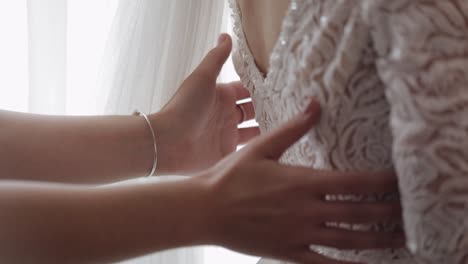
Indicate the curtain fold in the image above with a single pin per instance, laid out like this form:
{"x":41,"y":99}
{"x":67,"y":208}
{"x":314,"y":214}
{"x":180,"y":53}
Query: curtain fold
{"x":47,"y":33}
{"x":153,"y":46}
{"x":64,"y":42}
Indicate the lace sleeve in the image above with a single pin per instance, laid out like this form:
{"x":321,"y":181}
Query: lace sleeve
{"x":423,"y":61}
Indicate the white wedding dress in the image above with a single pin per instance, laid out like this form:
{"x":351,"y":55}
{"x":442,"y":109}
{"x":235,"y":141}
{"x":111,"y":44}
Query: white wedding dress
{"x":392,"y":79}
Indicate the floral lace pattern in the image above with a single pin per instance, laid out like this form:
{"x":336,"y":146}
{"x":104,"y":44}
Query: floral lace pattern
{"x":392,"y":78}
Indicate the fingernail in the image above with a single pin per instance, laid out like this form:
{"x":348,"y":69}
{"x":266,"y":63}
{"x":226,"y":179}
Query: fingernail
{"x":221,"y":39}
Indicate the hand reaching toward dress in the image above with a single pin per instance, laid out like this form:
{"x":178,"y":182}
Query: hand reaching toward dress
{"x":204,"y":117}
{"x":250,"y":189}
{"x":261,"y":207}
{"x":197,"y":128}
{"x":248,"y":202}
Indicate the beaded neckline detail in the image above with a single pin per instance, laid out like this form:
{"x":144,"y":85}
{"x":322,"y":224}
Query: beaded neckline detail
{"x":250,"y":74}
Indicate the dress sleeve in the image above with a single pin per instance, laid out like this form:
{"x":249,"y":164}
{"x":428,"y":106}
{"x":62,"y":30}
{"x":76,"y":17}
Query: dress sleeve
{"x":423,"y":61}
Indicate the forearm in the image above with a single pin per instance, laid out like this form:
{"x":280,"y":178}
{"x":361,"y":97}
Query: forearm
{"x":74,"y":149}
{"x":63,"y":224}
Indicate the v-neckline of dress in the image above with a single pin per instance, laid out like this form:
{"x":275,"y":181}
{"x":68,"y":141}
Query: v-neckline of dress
{"x":258,"y":78}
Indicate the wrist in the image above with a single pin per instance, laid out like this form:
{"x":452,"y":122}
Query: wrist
{"x":151,"y":217}
{"x":171,"y":143}
{"x":188,"y":212}
{"x":208,"y":222}
{"x":199,"y":207}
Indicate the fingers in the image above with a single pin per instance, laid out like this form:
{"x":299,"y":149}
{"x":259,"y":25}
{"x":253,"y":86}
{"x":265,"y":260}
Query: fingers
{"x":276,"y":142}
{"x":247,"y":133}
{"x":323,"y":182}
{"x":360,"y":212}
{"x":245,"y":112}
{"x":359,"y":182}
{"x":347,"y":239}
{"x":240,"y":90}
{"x":213,"y":62}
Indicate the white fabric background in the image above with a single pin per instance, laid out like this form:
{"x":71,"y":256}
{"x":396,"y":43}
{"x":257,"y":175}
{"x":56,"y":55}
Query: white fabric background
{"x":50,"y":52}
{"x":154,"y":46}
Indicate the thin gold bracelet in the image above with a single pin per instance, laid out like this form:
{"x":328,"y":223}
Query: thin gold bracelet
{"x":155,"y":161}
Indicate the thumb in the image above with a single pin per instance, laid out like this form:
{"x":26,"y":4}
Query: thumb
{"x":213,"y":62}
{"x":275,"y":143}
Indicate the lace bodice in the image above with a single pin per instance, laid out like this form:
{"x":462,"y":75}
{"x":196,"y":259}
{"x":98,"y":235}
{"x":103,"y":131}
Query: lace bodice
{"x":392,"y":78}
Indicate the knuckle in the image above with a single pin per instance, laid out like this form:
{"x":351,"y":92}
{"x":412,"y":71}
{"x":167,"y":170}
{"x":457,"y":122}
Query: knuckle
{"x":205,"y":74}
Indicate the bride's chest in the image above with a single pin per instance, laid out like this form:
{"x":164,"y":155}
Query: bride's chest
{"x":323,"y":52}
{"x":353,"y":132}
{"x":261,"y":22}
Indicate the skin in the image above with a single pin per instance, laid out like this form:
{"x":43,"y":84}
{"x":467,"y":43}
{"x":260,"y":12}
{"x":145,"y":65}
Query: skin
{"x":261,"y":22}
{"x":107,"y":149}
{"x":247,"y":201}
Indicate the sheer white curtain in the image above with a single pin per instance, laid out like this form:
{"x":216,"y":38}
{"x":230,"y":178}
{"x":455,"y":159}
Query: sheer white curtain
{"x":153,"y":46}
{"x":50,"y":53}
{"x":47,"y":32}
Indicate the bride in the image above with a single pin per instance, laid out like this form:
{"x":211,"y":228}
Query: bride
{"x":391,"y":77}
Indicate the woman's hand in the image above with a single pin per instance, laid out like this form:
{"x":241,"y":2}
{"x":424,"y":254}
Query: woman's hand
{"x":247,"y":202}
{"x":199,"y":125}
{"x":260,"y":207}
{"x":196,"y":129}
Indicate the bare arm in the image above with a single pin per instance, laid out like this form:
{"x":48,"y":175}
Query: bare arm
{"x":247,"y":202}
{"x":42,"y":223}
{"x":74,"y":149}
{"x":196,"y":129}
